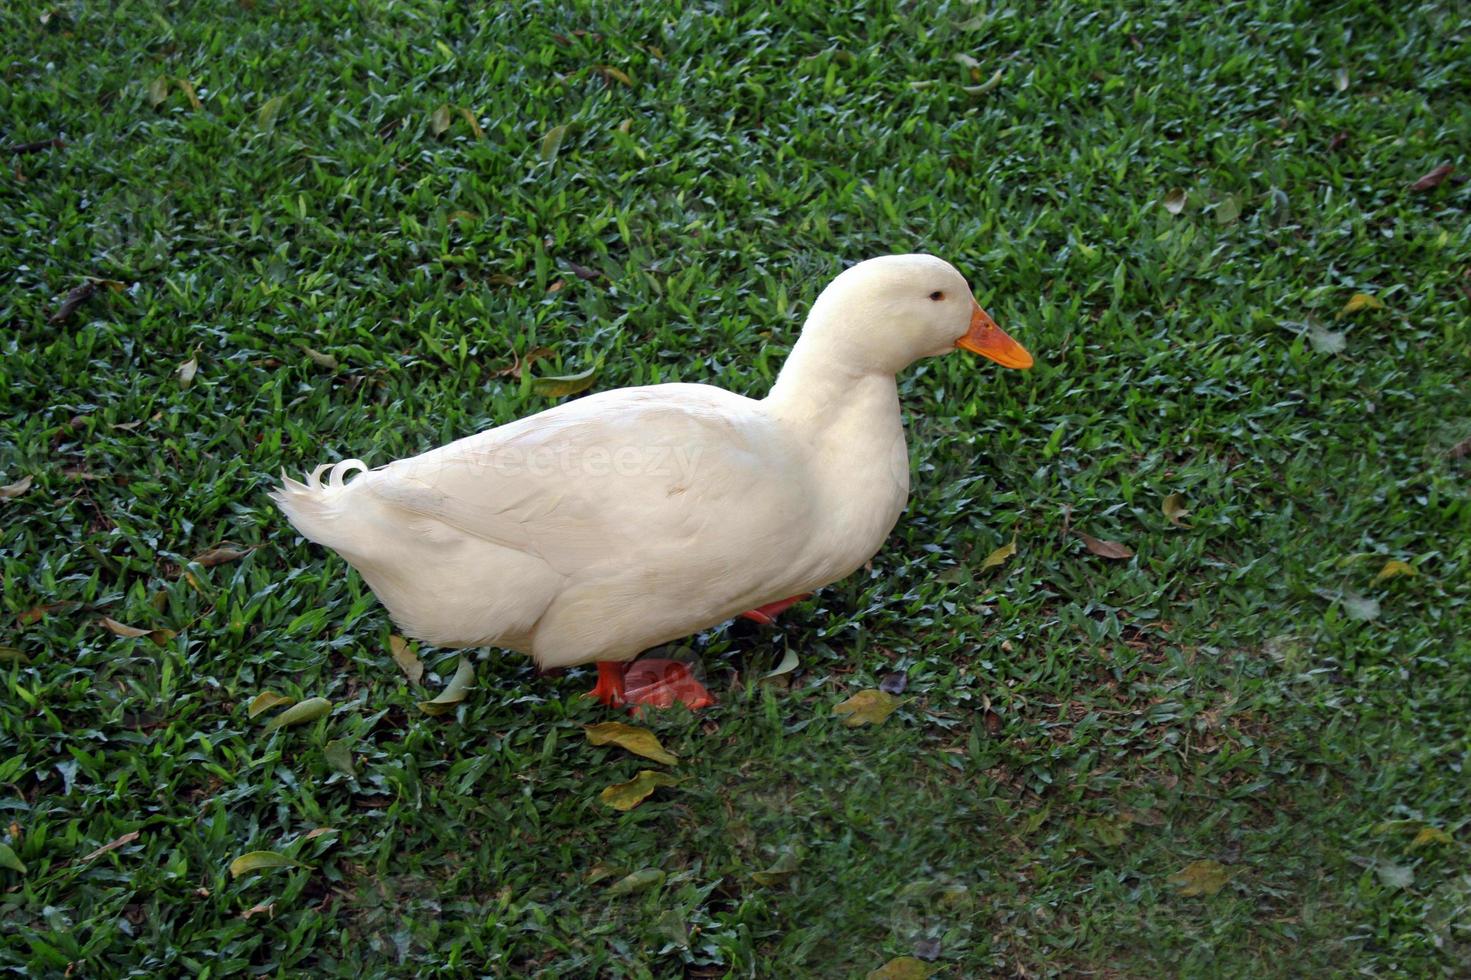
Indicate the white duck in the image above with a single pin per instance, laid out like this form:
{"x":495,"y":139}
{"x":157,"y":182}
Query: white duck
{"x":613,"y":523}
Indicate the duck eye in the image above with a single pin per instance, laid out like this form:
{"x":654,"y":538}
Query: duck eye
{"x":937,"y":296}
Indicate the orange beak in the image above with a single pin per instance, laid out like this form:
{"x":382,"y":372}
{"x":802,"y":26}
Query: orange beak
{"x":989,"y":340}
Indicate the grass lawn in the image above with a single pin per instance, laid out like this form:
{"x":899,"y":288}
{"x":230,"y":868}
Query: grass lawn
{"x":331,"y":230}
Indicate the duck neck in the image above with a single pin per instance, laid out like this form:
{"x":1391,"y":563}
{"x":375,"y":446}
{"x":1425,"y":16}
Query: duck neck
{"x":818,"y":385}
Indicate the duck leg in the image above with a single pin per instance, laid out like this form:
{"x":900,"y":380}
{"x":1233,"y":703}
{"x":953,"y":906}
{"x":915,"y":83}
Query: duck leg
{"x":609,"y":689}
{"x":766,"y":615}
{"x":652,"y":681}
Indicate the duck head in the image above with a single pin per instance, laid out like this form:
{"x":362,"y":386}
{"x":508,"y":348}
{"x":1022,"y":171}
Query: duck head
{"x":886,"y":313}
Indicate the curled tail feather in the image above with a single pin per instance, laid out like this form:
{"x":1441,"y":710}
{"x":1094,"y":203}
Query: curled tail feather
{"x":314,"y":507}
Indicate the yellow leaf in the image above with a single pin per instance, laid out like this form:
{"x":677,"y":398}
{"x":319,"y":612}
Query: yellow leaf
{"x":1361,"y":301}
{"x":265,"y":118}
{"x":1393,"y":569}
{"x":1201,"y":878}
{"x":187,"y":87}
{"x":474,"y":123}
{"x":551,"y":143}
{"x":158,"y":90}
{"x":265,"y":701}
{"x":637,"y":881}
{"x":999,"y":556}
{"x":566,"y":384}
{"x":187,"y":371}
{"x":616,"y":74}
{"x":626,"y":796}
{"x":868,"y":707}
{"x":299,"y":714}
{"x":639,"y":741}
{"x":408,"y":661}
{"x":1430,"y":835}
{"x":781,"y":869}
{"x":258,"y":861}
{"x":440,"y":120}
{"x":454,"y":692}
{"x":902,"y":968}
{"x":1174,"y":508}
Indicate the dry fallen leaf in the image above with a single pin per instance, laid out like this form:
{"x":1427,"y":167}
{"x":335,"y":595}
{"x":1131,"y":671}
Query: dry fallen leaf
{"x":439,"y":121}
{"x":258,"y":861}
{"x":1174,"y":509}
{"x":268,"y":909}
{"x":219,"y":556}
{"x":639,"y":741}
{"x":299,"y":714}
{"x":1394,"y":568}
{"x":74,"y":299}
{"x":159,"y":636}
{"x":13,"y":490}
{"x":780,"y":870}
{"x":999,"y":556}
{"x":1175,"y":200}
{"x":187,"y":371}
{"x":454,"y":692}
{"x":566,"y":384}
{"x":408,"y":661}
{"x":111,"y":846}
{"x":626,"y":796}
{"x":1200,"y":878}
{"x":265,"y":701}
{"x":1105,"y":549}
{"x":319,"y":359}
{"x":1433,"y":179}
{"x":1361,"y":301}
{"x":868,"y":707}
{"x":1430,"y":835}
{"x":902,"y":968}
{"x":637,"y":881}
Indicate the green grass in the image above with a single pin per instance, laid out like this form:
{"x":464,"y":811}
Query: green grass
{"x":1226,"y":694}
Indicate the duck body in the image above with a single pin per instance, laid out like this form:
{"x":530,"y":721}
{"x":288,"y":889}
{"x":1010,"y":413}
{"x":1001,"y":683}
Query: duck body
{"x":611,"y":524}
{"x":620,"y":521}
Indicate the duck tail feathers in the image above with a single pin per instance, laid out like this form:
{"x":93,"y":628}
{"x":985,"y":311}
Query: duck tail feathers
{"x":315,"y":508}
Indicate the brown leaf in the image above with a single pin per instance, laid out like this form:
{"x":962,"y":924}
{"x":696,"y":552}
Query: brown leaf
{"x":639,"y":741}
{"x":626,"y":796}
{"x":1175,"y":509}
{"x":1175,"y":200}
{"x":408,"y":661}
{"x":1460,"y":449}
{"x":469,"y":117}
{"x":19,"y":149}
{"x":13,"y":490}
{"x":1105,"y":549}
{"x":112,"y":846}
{"x":612,"y":74}
{"x":583,"y":272}
{"x":1433,"y":179}
{"x":187,"y":87}
{"x":74,"y":299}
{"x":868,"y":707}
{"x":1338,"y":141}
{"x":219,"y":556}
{"x":268,"y":909}
{"x":159,"y":636}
